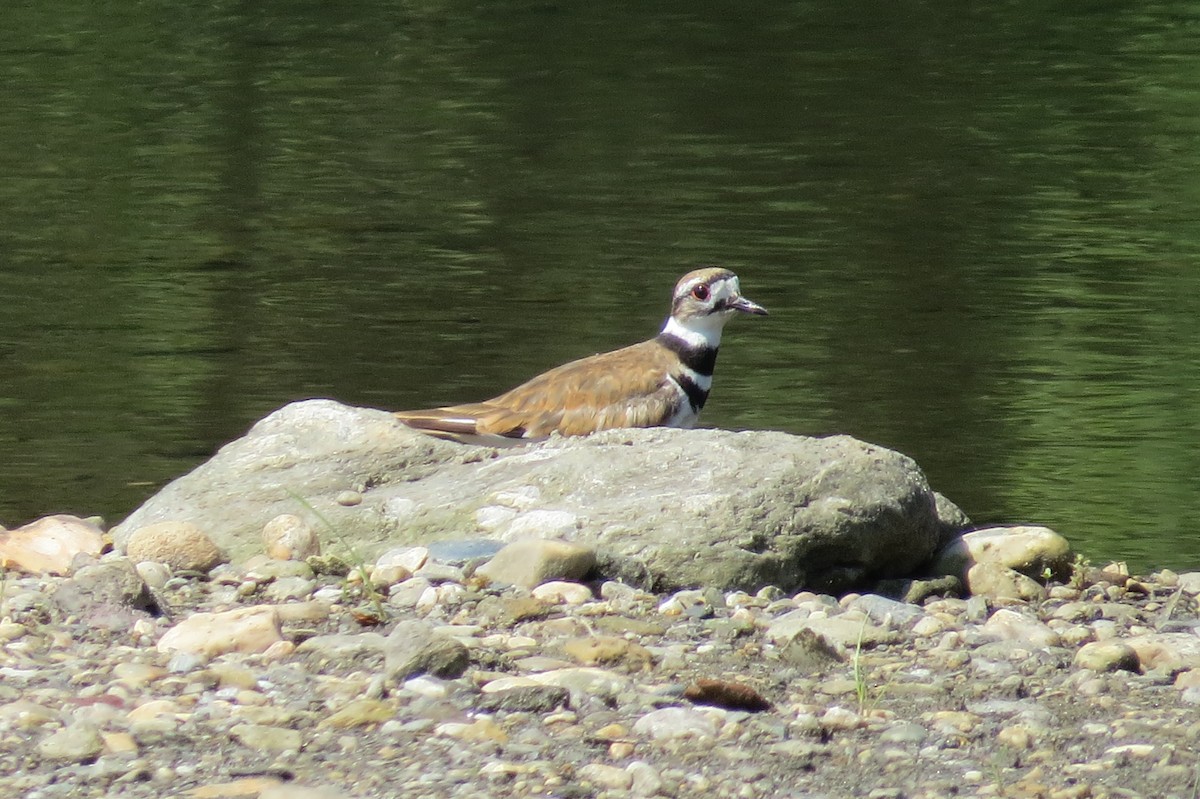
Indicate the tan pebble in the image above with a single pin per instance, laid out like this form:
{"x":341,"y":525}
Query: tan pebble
{"x":612,"y":732}
{"x":450,"y":594}
{"x":428,"y":599}
{"x":838,"y":686}
{"x":144,"y":627}
{"x":1167,"y":578}
{"x":608,"y":649}
{"x":619,"y":750}
{"x":1084,"y":791}
{"x":289,"y":537}
{"x":279,"y":650}
{"x":430,"y":687}
{"x":1009,"y":625}
{"x":1035,"y":774}
{"x":164,"y":775}
{"x":389,"y":574}
{"x":879,"y":716}
{"x":482,"y":729}
{"x":266,"y":739}
{"x":119,"y":743}
{"x":1132,"y":750}
{"x":1107,"y":656}
{"x":11,"y":631}
{"x":23,"y":714}
{"x":136,"y":675}
{"x":153,"y":709}
{"x":360,"y":712}
{"x":519,"y":642}
{"x":292,"y":790}
{"x":410,"y":558}
{"x":153,"y":574}
{"x":1029,"y":549}
{"x":928,"y":626}
{"x":250,"y":630}
{"x":606,"y":776}
{"x":839,"y":718}
{"x":349,"y":499}
{"x":1075,"y":635}
{"x":496,"y":641}
{"x":531,"y":562}
{"x":313,"y":610}
{"x":954,"y":720}
{"x":1015,"y":736}
{"x":562,"y":592}
{"x":744,"y":615}
{"x":181,"y":545}
{"x":949,"y":642}
{"x":249,"y":698}
{"x":1165,"y":651}
{"x":1187,"y":679}
{"x":499,"y":768}
{"x":507,"y":683}
{"x":671,"y":607}
{"x":996,"y":581}
{"x":482,"y":676}
{"x":564,"y":627}
{"x":232,"y":675}
{"x":247,"y":787}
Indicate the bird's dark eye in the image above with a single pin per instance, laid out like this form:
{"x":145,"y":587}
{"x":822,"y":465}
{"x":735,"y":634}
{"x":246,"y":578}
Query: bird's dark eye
{"x":700,"y":292}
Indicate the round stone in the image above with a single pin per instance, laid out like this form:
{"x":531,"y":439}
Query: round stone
{"x":181,"y":545}
{"x":289,"y":537}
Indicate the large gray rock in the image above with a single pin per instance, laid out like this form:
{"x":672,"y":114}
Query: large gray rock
{"x":662,"y":508}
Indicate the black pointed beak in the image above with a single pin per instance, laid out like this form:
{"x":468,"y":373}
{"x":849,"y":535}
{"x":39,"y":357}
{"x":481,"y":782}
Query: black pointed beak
{"x":746,"y":306}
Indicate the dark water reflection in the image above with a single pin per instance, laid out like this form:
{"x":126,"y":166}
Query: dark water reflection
{"x":976,"y":230}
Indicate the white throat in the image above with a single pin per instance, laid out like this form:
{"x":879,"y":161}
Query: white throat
{"x":699,"y":332}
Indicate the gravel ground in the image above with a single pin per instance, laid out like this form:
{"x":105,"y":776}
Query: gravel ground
{"x":593,"y":691}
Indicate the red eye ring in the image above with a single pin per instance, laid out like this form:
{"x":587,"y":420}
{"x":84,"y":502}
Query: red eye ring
{"x":700,"y":292}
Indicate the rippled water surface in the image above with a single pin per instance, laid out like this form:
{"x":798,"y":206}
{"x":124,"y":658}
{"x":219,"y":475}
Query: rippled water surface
{"x":977,"y":230}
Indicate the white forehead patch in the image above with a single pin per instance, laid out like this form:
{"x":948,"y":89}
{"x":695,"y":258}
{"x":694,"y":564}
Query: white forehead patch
{"x":725,"y":288}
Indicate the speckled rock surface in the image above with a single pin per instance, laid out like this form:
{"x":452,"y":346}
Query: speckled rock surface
{"x":662,"y":508}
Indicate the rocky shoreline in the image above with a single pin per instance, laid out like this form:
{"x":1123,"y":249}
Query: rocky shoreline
{"x":274,"y":679}
{"x":336,"y":606}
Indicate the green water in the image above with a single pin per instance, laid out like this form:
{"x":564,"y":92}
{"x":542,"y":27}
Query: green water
{"x":976,"y":228}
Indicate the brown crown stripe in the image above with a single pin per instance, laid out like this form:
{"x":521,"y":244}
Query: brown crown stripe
{"x":701,"y":360}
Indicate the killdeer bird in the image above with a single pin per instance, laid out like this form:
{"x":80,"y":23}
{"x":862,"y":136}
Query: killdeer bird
{"x":661,"y":382}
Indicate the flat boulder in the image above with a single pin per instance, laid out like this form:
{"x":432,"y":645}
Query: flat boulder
{"x":661,"y":508}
